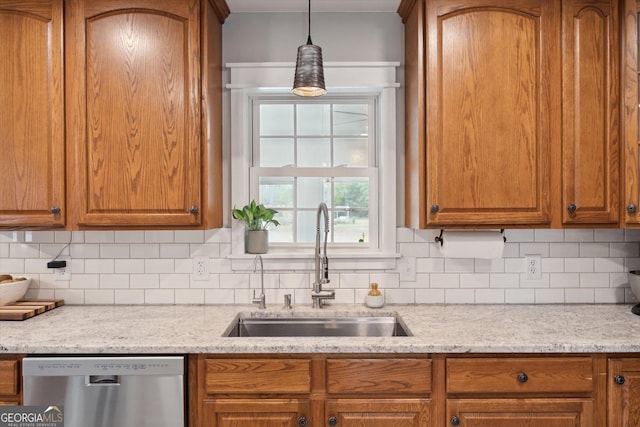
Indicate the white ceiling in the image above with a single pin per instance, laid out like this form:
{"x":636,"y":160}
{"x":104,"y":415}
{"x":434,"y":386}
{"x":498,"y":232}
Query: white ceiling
{"x":316,"y":5}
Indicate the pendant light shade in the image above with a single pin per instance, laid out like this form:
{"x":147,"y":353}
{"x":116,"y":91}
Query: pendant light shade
{"x":309,"y":77}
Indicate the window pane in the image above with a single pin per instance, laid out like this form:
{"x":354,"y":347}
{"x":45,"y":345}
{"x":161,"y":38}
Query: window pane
{"x":351,"y":119}
{"x":275,"y":152}
{"x":352,"y":192}
{"x":314,"y":119}
{"x":284,"y":232}
{"x":276,"y":192}
{"x":314,"y":152}
{"x":351,"y":215}
{"x":312,"y":191}
{"x":351,"y":229}
{"x":306,"y":232}
{"x":276,"y":120}
{"x":351,"y":152}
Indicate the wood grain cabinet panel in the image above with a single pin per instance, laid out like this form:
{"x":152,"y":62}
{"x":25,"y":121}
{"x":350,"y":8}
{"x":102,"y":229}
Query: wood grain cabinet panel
{"x":10,"y":380}
{"x":482,"y":131}
{"x":631,"y":152}
{"x":258,"y":376}
{"x":591,"y":112}
{"x":371,"y":376}
{"x":378,"y":413}
{"x":520,"y":375}
{"x":520,"y":412}
{"x":32,"y":143}
{"x":144,"y":93}
{"x":256,"y":413}
{"x":623,"y":400}
{"x":317,"y":390}
{"x":513,"y":113}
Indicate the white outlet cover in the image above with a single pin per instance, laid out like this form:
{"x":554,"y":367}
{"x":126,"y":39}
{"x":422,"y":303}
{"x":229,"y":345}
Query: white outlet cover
{"x":201,"y":268}
{"x":63,"y":274}
{"x":533,"y":267}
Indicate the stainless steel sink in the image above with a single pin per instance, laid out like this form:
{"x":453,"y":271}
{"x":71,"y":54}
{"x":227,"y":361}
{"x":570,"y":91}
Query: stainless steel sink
{"x":360,"y":326}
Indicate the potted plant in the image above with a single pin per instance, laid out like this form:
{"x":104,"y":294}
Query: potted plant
{"x":256,"y":218}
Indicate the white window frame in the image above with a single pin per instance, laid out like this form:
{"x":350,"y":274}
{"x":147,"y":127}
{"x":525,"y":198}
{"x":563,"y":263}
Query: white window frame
{"x":370,"y":172}
{"x":249,"y":80}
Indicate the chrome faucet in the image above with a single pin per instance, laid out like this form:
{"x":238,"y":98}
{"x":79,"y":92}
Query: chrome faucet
{"x":261,"y":299}
{"x":318,"y":295}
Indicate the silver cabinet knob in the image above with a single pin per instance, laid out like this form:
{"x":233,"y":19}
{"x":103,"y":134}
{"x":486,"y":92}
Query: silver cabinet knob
{"x":55,"y":210}
{"x":193,"y":209}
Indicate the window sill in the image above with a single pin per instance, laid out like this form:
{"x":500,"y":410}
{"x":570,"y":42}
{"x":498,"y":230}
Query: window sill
{"x":304,"y":261}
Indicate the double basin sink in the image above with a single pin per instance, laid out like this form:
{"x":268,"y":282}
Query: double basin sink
{"x":306,"y":326}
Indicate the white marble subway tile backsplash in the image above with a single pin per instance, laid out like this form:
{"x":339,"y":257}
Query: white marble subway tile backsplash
{"x":154,"y":267}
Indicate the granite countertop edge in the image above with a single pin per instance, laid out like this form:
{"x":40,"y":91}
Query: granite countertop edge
{"x":188,"y":329}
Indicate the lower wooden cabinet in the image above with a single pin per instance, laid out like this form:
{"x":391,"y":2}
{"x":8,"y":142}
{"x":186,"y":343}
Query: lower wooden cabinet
{"x":378,"y":413}
{"x":10,"y":384}
{"x":255,"y":412}
{"x":317,"y":390}
{"x":623,"y":400}
{"x":506,"y":391}
{"x":529,"y":412}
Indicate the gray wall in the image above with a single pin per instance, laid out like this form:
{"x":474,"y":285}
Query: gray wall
{"x":275,"y":37}
{"x":344,"y":37}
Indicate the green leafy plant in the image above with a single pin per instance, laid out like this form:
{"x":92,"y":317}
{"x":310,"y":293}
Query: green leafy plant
{"x":255,"y":216}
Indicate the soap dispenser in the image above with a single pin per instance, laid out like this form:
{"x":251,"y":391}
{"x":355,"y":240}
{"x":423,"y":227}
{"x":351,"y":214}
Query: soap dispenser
{"x":374,"y":298}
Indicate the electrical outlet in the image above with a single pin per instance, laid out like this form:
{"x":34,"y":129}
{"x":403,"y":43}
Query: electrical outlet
{"x":407,"y":268}
{"x":63,"y":274}
{"x":533,"y":267}
{"x":200,"y":268}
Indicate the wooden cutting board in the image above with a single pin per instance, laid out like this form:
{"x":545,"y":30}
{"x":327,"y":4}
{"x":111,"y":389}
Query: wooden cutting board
{"x":21,"y":310}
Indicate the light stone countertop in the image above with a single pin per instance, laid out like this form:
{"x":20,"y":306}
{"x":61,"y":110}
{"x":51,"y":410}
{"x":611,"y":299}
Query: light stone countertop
{"x":436,"y":329}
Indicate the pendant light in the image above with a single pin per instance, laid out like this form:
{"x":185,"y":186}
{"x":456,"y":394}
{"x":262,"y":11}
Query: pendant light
{"x":309,"y":78}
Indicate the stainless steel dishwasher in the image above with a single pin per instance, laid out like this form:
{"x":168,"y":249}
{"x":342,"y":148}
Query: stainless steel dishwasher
{"x":109,"y":391}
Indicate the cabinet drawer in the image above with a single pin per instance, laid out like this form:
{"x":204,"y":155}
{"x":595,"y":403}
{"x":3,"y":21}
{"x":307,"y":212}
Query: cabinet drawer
{"x":8,"y":377}
{"x":250,"y":376}
{"x":379,"y":376}
{"x":519,"y":375}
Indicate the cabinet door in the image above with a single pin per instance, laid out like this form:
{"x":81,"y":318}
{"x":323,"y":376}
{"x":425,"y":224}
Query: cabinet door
{"x":623,"y":401}
{"x":378,"y":413}
{"x":31,"y":114}
{"x":631,"y":76}
{"x":255,"y":413}
{"x":520,"y":412}
{"x":493,"y":108}
{"x":590,"y":111}
{"x":134,"y":111}
{"x":9,"y":381}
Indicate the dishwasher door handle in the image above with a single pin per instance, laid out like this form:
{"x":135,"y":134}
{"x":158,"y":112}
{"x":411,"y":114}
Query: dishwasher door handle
{"x":103,"y":380}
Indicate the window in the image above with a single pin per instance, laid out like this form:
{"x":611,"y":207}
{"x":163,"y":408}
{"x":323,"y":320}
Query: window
{"x":308,"y":151}
{"x":290,"y":153}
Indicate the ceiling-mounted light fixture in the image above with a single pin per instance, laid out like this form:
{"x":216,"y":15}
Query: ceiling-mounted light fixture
{"x":309,"y":78}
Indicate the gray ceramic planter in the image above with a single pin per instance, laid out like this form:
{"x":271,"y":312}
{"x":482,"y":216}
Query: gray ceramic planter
{"x":257,"y":241}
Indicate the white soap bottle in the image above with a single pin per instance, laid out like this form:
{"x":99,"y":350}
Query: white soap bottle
{"x":374,"y":298}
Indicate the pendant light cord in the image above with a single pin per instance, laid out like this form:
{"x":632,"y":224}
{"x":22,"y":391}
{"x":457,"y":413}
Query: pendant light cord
{"x":309,"y":17}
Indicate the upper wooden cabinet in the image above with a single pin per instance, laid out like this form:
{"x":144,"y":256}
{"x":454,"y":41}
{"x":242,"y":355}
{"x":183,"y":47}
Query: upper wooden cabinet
{"x":511,"y":112}
{"x":144,"y":90}
{"x":32,"y":164}
{"x":590,"y":116}
{"x":491,"y":74}
{"x":630,"y":78}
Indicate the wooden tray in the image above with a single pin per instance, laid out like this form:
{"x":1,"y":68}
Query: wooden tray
{"x":21,"y":310}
